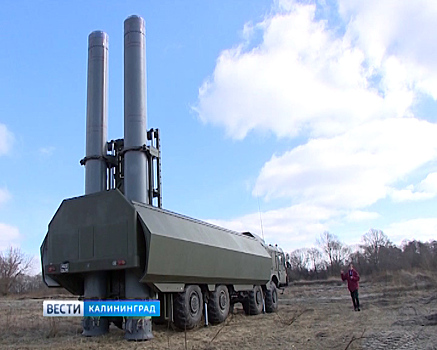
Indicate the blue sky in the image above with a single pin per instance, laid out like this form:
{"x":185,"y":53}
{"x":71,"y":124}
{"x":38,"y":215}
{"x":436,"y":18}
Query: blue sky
{"x":313,"y":115}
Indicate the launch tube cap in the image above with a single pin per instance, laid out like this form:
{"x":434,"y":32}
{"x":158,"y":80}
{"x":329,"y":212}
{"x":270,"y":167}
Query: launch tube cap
{"x":98,"y":38}
{"x":134,"y":24}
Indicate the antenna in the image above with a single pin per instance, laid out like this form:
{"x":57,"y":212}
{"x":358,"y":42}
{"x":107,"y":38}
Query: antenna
{"x":260,"y":218}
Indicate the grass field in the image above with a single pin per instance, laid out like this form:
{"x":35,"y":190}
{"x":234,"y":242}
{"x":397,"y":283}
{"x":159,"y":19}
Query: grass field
{"x":398,"y":312}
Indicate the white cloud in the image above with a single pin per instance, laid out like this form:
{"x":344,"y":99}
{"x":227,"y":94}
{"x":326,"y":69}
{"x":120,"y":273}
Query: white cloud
{"x":8,"y":235}
{"x":392,"y":28}
{"x":360,"y":215}
{"x":353,"y":170}
{"x":429,"y":184}
{"x":408,"y":194}
{"x":289,"y":227}
{"x":426,"y":189}
{"x":346,"y":91}
{"x":6,"y":139}
{"x":302,"y":78}
{"x":421,"y":229}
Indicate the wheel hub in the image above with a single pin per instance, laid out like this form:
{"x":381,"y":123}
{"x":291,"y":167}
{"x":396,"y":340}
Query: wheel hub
{"x":258,"y":297}
{"x":222,"y":300}
{"x":194,"y":303}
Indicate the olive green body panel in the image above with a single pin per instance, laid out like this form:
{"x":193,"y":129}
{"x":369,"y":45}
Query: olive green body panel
{"x":191,"y":251}
{"x":96,"y":232}
{"x":91,"y":232}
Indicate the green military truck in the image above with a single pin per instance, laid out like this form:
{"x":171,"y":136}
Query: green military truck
{"x":187,"y":264}
{"x":116,"y":242}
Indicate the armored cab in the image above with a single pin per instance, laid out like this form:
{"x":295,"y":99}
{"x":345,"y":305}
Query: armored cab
{"x":279,"y":273}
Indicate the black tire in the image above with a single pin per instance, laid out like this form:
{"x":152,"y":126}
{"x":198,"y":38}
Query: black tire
{"x":245,"y":304}
{"x":253,"y":305}
{"x":188,"y":307}
{"x":218,"y":305}
{"x":271,"y":298}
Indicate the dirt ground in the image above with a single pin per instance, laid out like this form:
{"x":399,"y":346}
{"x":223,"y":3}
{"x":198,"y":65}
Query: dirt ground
{"x":311,"y":316}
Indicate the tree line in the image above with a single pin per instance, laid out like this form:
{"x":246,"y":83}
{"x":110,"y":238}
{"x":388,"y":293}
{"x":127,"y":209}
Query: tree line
{"x":376,"y":253}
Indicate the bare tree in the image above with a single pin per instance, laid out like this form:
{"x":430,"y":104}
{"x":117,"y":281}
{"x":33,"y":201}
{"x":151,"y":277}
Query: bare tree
{"x":390,"y":258}
{"x":420,"y":255}
{"x":298,"y":263}
{"x":374,"y":240}
{"x":315,"y":258}
{"x":299,"y":259}
{"x":26,"y":284}
{"x":13,"y":264}
{"x":334,"y":249}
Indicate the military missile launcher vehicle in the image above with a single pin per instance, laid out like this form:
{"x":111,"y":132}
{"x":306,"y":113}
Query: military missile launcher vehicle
{"x":117,"y":242}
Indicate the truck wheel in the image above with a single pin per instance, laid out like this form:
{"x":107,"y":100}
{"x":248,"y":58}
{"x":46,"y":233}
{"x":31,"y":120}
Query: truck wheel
{"x":188,"y":307}
{"x":253,"y":305}
{"x":271,"y":298}
{"x":218,"y":305}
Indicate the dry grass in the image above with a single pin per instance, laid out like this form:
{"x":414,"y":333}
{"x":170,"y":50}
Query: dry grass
{"x":315,"y":316}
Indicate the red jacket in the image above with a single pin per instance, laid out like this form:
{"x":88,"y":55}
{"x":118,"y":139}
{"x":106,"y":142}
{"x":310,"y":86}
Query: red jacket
{"x":352,"y":278}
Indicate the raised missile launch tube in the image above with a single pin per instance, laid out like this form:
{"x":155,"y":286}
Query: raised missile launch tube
{"x":135,"y":160}
{"x":135,"y":133}
{"x":97,"y":116}
{"x":95,"y":166}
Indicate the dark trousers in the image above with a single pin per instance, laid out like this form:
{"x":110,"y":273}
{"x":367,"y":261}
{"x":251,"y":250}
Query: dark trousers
{"x":355,"y":300}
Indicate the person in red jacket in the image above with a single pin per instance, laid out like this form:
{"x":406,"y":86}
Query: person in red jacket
{"x":352,"y":277}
